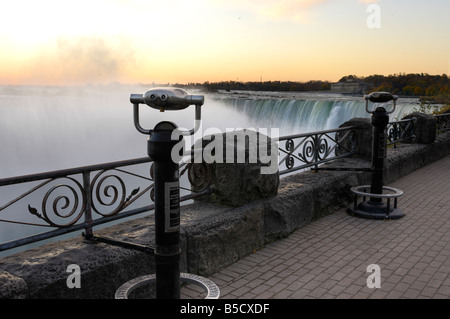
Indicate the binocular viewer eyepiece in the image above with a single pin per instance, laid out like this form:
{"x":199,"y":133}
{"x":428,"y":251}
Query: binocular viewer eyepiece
{"x":171,"y":99}
{"x":380,"y":97}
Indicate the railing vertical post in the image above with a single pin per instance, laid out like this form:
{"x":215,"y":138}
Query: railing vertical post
{"x":395,"y":134}
{"x":88,"y":201}
{"x":316,"y":152}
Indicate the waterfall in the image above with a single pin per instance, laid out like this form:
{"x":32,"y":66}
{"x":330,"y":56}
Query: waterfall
{"x":293,"y":116}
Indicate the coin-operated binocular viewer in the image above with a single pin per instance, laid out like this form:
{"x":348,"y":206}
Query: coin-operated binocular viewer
{"x":166,"y":194}
{"x":375,"y":207}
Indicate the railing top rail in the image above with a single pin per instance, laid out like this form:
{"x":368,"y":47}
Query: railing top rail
{"x":288,"y":137}
{"x":413,"y":119}
{"x":71,"y":171}
{"x":441,"y":115}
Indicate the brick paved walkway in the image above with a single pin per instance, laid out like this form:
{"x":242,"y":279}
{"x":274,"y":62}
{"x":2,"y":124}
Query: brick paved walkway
{"x":329,"y":257}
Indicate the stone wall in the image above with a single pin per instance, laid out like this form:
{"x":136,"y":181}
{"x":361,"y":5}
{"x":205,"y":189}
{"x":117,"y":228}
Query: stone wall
{"x":213,"y":235}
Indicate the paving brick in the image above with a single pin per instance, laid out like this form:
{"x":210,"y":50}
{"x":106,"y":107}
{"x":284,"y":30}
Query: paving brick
{"x":444,"y":290}
{"x":265,"y":295}
{"x":242,"y":291}
{"x":278,"y":288}
{"x":283,"y":294}
{"x":239,"y":283}
{"x":393,"y":294}
{"x":318,"y":292}
{"x":411,"y":293}
{"x":299,"y":294}
{"x":328,"y":258}
{"x":295,"y":286}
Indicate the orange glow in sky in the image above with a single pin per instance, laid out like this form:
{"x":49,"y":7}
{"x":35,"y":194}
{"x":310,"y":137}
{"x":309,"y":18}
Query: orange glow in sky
{"x":53,"y":42}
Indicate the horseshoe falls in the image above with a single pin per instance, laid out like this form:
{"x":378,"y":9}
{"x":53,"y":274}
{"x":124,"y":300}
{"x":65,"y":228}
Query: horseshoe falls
{"x":45,"y":129}
{"x":295,"y":116}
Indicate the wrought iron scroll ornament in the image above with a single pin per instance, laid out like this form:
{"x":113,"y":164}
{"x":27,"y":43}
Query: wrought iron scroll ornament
{"x":290,"y":148}
{"x":309,"y":149}
{"x":64,"y":207}
{"x":107,"y":199}
{"x":442,"y":122}
{"x":118,"y":200}
{"x":394,"y":131}
{"x":400,"y":131}
{"x":346,"y":143}
{"x":199,"y":175}
{"x":65,"y":202}
{"x":315,"y":148}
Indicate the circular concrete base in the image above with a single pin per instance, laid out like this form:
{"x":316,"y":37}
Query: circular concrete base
{"x":210,"y":287}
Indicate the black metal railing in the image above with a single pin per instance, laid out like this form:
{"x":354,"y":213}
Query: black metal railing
{"x":442,"y":122}
{"x":80,"y":198}
{"x":400,"y":131}
{"x":302,"y":151}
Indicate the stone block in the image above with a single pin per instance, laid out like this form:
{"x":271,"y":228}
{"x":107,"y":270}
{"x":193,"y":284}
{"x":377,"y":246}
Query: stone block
{"x":424,"y":127}
{"x":244,"y":168}
{"x":219,"y":235}
{"x":362,"y":136}
{"x":12,"y":287}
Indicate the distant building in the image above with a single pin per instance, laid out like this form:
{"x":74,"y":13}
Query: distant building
{"x":350,"y":87}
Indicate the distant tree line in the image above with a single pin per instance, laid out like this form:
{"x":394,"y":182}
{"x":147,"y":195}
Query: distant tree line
{"x":402,"y":84}
{"x":406,"y":84}
{"x":281,"y":86}
{"x":432,"y":89}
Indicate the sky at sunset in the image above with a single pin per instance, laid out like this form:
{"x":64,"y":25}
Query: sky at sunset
{"x":74,"y":42}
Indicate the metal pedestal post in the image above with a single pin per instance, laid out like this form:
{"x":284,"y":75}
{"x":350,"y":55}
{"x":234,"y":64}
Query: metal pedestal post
{"x":166,"y":195}
{"x":375,"y":208}
{"x":167,"y":213}
{"x":379,"y":121}
{"x":167,"y":224}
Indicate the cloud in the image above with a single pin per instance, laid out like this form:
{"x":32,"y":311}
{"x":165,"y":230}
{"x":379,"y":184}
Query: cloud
{"x":90,"y":55}
{"x":84,"y":59}
{"x":297,"y":10}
